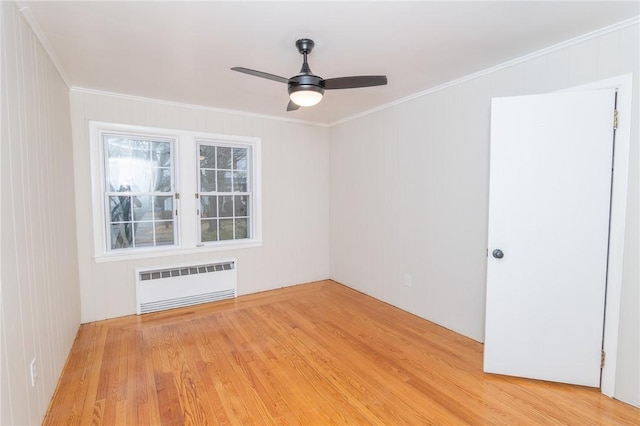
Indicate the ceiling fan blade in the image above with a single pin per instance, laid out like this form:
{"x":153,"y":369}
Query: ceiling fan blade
{"x":292,"y":106}
{"x":355,"y":82}
{"x":261,"y":74}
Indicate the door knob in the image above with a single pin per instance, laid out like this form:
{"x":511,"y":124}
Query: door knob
{"x":498,"y":254}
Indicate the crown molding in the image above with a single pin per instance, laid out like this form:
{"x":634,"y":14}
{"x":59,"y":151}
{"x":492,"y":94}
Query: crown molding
{"x":75,"y":89}
{"x":23,"y":8}
{"x":571,"y":42}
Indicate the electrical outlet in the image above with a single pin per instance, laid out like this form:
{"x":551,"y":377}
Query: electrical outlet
{"x":34,"y":372}
{"x":408,"y":280}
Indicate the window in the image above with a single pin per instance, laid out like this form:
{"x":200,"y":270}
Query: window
{"x":224,"y":192}
{"x":138,"y":177}
{"x":139,"y":191}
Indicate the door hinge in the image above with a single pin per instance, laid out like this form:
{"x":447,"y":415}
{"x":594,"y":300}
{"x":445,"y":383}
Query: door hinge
{"x":176,"y":212}
{"x":602,"y":356}
{"x":177,"y":195}
{"x":197,"y":195}
{"x":615,"y":118}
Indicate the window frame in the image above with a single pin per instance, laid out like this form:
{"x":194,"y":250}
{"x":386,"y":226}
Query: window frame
{"x":249,"y":193}
{"x":186,"y":185}
{"x":107,"y":194}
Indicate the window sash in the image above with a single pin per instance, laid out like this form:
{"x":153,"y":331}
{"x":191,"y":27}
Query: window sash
{"x":138,"y":219}
{"x":225,"y":211}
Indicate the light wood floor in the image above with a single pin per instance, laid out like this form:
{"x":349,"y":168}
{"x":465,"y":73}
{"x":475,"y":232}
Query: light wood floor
{"x":312,"y":354}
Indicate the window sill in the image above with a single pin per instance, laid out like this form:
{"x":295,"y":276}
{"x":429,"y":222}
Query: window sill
{"x":173,"y":251}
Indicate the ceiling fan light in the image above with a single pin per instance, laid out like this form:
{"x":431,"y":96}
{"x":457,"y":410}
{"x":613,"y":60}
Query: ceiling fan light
{"x":305,"y":96}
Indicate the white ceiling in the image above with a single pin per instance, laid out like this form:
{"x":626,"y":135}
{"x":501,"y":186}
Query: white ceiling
{"x":182,"y":51}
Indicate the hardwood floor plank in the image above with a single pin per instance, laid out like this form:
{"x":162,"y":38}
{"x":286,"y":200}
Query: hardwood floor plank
{"x":169,"y":405}
{"x":318,"y":353}
{"x":84,"y":381}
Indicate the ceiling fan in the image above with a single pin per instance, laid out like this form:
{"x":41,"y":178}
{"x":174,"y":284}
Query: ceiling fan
{"x":306,"y":89}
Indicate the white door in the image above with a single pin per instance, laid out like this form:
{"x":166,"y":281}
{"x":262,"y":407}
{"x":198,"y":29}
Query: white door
{"x":551,"y":163}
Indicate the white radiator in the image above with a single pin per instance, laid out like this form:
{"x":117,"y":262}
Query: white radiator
{"x":165,"y":288}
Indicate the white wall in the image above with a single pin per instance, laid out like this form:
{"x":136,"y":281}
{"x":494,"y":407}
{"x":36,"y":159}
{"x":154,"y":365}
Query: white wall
{"x":409,"y":193}
{"x":40,"y":305}
{"x":407,"y":188}
{"x":295,"y":192}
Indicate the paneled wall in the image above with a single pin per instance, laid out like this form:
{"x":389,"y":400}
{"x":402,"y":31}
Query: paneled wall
{"x":393,"y":204}
{"x":295,"y":193}
{"x":410,"y":193}
{"x":40,"y":299}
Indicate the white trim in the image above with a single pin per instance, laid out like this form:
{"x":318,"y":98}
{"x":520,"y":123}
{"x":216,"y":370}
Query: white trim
{"x":23,"y":7}
{"x":623,"y":84}
{"x":191,"y":106}
{"x":567,"y":43}
{"x":175,"y":252}
{"x":173,"y":132}
{"x":588,"y":36}
{"x":99,"y":176}
{"x":184,"y":141}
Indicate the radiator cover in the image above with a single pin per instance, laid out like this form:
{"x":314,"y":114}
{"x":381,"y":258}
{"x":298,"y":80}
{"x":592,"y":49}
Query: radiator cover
{"x":163,"y":288}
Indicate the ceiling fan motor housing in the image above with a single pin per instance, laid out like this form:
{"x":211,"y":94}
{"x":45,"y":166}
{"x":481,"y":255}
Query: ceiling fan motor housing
{"x":306,"y":82}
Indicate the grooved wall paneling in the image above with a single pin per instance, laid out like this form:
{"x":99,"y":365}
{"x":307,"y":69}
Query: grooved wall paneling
{"x":39,"y":269}
{"x":410,"y":193}
{"x":295,"y":197}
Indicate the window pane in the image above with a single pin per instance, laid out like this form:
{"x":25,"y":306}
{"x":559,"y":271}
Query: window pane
{"x":121,"y":235}
{"x":240,"y":181}
{"x":242,"y":228}
{"x":207,"y":157}
{"x":225,"y":204}
{"x":117,"y":147}
{"x":241,"y":205}
{"x":138,"y":165}
{"x":162,"y":180}
{"x":163,"y":208}
{"x":164,"y":233}
{"x":224,"y":157}
{"x":142,"y":208}
{"x":128,"y":174}
{"x":141,"y":150}
{"x":119,"y":150}
{"x":120,"y":209}
{"x":143,"y":234}
{"x":226,"y":229}
{"x":161,"y":154}
{"x":207,"y":180}
{"x":239,"y":158}
{"x":208,"y":230}
{"x":208,"y":206}
{"x":224,"y":181}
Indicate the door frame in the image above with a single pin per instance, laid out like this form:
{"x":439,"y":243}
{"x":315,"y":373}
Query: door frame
{"x":617,"y":221}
